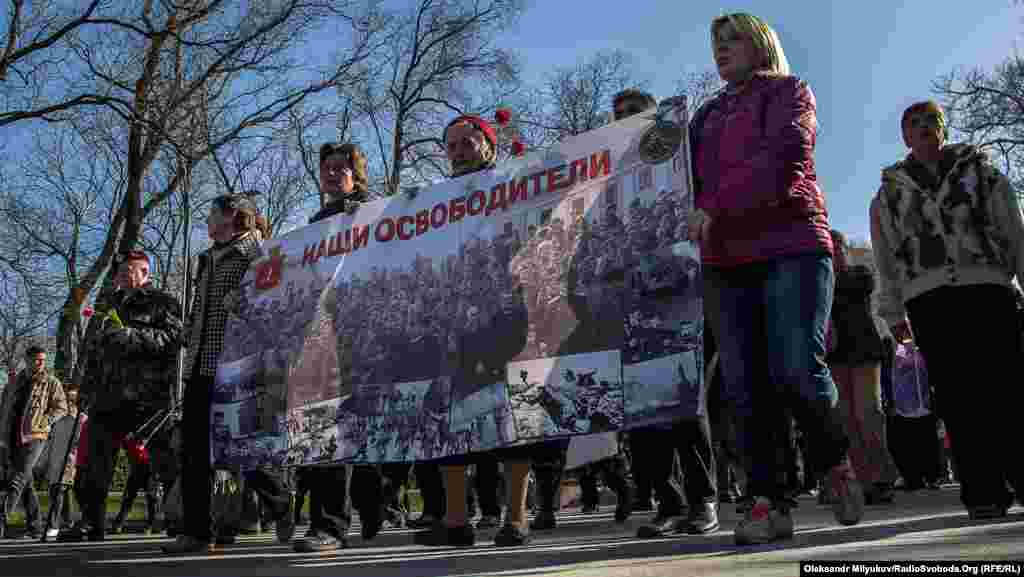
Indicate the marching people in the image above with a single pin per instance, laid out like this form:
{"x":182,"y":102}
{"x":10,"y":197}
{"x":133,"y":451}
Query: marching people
{"x":237,"y":230}
{"x":948,"y":240}
{"x":29,"y":407}
{"x":855,"y":355}
{"x":128,"y":373}
{"x":766,"y":249}
{"x":549,"y":458}
{"x":471,"y":145}
{"x":61,"y":468}
{"x":343,"y":186}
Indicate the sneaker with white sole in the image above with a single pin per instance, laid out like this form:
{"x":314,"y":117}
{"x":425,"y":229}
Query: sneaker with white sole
{"x":763,"y":523}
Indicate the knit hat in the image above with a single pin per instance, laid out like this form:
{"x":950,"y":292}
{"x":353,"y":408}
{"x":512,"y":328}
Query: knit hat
{"x":481,"y":125}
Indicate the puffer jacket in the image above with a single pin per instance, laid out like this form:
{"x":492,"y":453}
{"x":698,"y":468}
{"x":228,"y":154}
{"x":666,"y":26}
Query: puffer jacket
{"x":754,"y":173}
{"x":134,"y":366}
{"x":963,"y":228}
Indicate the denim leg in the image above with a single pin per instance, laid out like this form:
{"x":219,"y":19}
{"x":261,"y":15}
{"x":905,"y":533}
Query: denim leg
{"x":798,"y":302}
{"x":733,"y":304}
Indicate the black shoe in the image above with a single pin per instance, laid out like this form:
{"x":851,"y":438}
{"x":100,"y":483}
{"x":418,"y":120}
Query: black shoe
{"x":590,"y":509}
{"x":880,"y":494}
{"x":659,"y":526}
{"x":425,"y":521}
{"x":117,"y":525}
{"x":75,"y":534}
{"x":462,"y":536}
{"x":317,"y":541}
{"x":703,"y":519}
{"x":986,"y":512}
{"x":371,"y":521}
{"x":544,"y":521}
{"x":643,"y":505}
{"x":512,"y":536}
{"x":96,"y":535}
{"x":624,"y":509}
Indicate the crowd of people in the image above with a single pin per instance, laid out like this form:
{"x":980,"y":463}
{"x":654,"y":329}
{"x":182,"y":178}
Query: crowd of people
{"x":809,"y":387}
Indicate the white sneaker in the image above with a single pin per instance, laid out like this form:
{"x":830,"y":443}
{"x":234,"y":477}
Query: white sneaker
{"x":52,"y":533}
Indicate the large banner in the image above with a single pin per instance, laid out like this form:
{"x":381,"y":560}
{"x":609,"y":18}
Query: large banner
{"x":553,"y":296}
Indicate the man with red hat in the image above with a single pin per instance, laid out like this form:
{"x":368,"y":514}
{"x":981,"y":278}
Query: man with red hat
{"x":130,"y":369}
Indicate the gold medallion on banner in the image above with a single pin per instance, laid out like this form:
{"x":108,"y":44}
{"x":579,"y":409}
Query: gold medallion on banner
{"x":661,"y":141}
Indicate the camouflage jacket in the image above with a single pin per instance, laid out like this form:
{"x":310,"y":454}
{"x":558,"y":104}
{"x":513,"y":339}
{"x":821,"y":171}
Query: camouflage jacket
{"x":961,"y":228}
{"x":134,"y":364}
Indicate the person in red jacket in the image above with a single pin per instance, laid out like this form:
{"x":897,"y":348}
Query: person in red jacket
{"x":767,"y":253}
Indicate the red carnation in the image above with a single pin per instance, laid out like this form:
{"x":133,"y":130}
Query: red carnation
{"x":87,"y":312}
{"x":518,"y":148}
{"x":502,"y":116}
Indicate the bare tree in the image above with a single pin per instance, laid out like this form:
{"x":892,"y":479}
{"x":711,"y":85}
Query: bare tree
{"x":577,"y":99}
{"x":440,"y":55}
{"x":25,"y":310}
{"x":698,"y":87}
{"x":179,"y":81}
{"x":31,"y":66}
{"x":987,"y":108}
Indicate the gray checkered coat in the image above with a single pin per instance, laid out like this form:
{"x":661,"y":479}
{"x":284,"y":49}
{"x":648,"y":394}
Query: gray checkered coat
{"x":208,"y":316}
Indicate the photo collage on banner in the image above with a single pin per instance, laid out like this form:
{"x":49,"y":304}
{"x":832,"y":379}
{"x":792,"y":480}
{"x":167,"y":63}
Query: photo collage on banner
{"x":552,"y":296}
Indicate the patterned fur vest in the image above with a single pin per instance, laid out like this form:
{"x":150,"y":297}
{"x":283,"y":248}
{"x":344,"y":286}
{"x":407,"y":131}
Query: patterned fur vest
{"x":961,"y":228}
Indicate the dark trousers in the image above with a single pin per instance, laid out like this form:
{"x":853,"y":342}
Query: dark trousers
{"x":969,"y":338}
{"x":548,"y":464}
{"x":197,"y":472}
{"x":691,"y":439}
{"x":329,"y":508}
{"x":487,"y":485}
{"x":271,"y":488}
{"x":917,"y":450}
{"x":612,"y":471}
{"x":431,"y":485}
{"x":141,"y":478}
{"x":104,"y":442}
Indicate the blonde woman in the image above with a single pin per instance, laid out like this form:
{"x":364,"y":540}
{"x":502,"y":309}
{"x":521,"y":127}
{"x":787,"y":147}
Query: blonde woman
{"x":767,"y":254}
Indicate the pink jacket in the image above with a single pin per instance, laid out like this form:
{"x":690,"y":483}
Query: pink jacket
{"x":754,"y":173}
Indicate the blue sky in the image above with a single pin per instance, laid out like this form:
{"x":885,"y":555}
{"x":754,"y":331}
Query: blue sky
{"x":865,"y":60}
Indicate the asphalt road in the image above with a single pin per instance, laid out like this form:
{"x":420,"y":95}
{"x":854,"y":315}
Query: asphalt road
{"x":921,"y":526}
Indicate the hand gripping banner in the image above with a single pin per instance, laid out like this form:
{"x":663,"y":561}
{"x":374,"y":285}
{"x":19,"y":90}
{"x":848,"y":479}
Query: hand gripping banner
{"x":553,"y":296}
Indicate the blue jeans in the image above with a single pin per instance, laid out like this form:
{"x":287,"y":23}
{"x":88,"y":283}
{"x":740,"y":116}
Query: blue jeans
{"x":21,"y":490}
{"x":769,"y":322}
